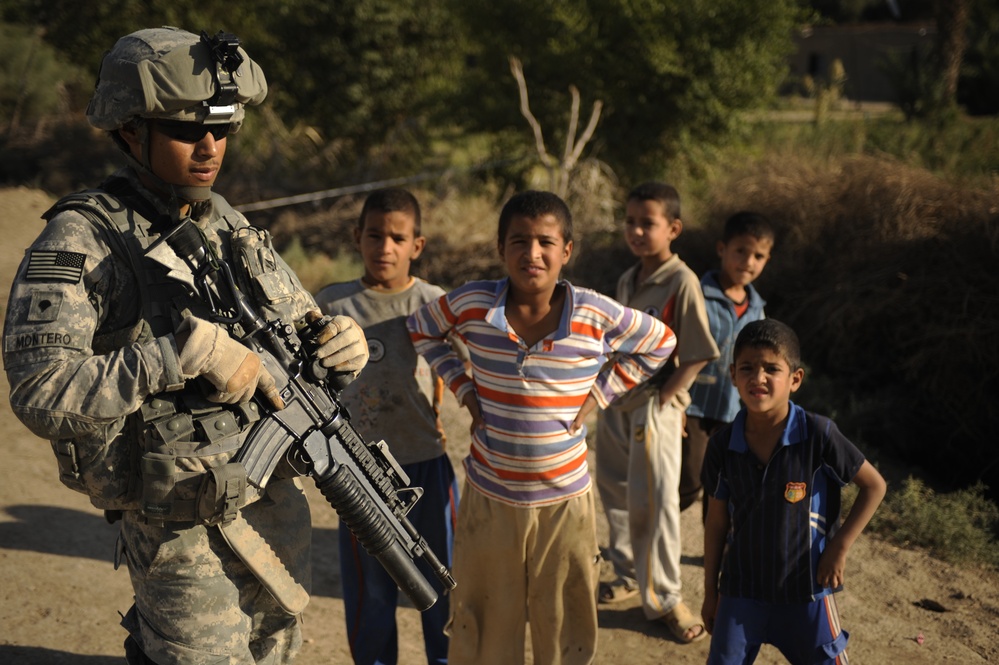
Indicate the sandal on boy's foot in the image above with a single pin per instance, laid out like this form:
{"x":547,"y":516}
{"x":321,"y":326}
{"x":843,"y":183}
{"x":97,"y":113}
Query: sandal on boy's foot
{"x":681,"y":620}
{"x":617,"y":591}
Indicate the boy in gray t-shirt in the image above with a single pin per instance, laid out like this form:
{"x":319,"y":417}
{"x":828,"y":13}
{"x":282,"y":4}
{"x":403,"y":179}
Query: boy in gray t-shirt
{"x":396,"y":399}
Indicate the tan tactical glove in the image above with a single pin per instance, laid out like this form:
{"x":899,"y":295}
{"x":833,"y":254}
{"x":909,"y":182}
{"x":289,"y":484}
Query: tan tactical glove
{"x":342,"y":346}
{"x":207,"y":350}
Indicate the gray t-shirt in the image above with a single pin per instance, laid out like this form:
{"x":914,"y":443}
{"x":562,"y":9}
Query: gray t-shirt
{"x":392,"y":399}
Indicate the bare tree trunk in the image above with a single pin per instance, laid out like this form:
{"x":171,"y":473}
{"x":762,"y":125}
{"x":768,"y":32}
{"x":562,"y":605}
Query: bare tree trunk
{"x":952,"y":40}
{"x":558,"y":171}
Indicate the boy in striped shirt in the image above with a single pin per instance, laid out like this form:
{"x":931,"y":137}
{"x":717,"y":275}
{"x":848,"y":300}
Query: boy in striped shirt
{"x":525,"y":545}
{"x":772,"y":533}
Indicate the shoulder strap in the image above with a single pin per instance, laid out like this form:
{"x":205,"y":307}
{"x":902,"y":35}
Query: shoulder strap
{"x":97,"y":206}
{"x":232,"y":218}
{"x":117,"y":225}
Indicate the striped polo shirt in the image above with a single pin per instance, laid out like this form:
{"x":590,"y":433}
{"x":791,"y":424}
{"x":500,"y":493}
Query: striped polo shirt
{"x":784,"y":512}
{"x":529,"y":396}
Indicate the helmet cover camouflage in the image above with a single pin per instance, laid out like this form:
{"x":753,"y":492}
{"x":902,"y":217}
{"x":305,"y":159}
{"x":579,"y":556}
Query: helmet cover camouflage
{"x":169,"y":73}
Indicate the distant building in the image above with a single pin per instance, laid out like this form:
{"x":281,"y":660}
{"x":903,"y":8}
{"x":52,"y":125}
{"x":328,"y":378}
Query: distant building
{"x":862,"y":49}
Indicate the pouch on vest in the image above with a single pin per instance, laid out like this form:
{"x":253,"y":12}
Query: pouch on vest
{"x":101,"y":465}
{"x":222,"y":494}
{"x":158,"y":480}
{"x":262,"y":273}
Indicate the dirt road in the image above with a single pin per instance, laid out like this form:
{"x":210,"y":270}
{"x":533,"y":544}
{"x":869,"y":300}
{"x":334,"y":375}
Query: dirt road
{"x":60,"y":597}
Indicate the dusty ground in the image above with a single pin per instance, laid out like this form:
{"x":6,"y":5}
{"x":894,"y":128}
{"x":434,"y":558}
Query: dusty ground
{"x":60,"y":597}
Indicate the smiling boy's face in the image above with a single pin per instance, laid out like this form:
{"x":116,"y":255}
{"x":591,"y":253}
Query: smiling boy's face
{"x":743,"y":259}
{"x":764,"y":380}
{"x":649,"y":231}
{"x":535,"y":251}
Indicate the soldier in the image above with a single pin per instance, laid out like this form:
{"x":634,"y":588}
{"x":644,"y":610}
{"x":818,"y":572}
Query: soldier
{"x":142,"y":386}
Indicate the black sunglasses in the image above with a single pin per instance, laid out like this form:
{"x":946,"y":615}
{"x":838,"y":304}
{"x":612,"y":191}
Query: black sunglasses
{"x":190,"y":132}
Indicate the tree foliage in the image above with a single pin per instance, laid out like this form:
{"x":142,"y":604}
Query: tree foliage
{"x":665,"y":71}
{"x":382,"y":77}
{"x":978,"y":89}
{"x":362,"y":73}
{"x":83,"y":31}
{"x":368,"y":74}
{"x":35,"y":80}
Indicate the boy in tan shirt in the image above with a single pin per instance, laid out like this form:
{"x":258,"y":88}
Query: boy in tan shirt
{"x":639,"y":436}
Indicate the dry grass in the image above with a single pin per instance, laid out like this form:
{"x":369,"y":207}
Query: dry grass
{"x":888,"y":274}
{"x":886,"y":271}
{"x":460,"y":230}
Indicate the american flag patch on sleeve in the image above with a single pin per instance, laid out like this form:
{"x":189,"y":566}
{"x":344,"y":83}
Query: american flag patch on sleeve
{"x":49,"y":266}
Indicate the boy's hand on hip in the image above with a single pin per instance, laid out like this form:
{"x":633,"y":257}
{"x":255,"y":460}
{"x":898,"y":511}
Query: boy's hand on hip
{"x":471,"y":402}
{"x":666,"y":395}
{"x":832,"y":565}
{"x":588,"y":407}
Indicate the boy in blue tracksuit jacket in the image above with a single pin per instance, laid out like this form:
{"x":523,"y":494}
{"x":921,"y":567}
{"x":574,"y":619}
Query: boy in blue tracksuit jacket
{"x":731,"y":302}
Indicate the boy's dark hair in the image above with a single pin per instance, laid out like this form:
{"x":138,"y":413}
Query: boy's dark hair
{"x":667,"y":196}
{"x":533,"y":204}
{"x":770,"y":334}
{"x":392,"y":199}
{"x":747,"y":223}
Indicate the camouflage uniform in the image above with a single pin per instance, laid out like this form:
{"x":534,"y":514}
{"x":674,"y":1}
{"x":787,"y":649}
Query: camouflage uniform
{"x":93,"y":365}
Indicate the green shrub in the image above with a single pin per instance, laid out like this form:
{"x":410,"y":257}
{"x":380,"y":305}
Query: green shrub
{"x":37,"y":83}
{"x":961,"y":149}
{"x":959,"y":527}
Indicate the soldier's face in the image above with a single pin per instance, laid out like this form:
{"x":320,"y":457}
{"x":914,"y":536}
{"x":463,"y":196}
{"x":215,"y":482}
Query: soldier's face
{"x":180,"y":162}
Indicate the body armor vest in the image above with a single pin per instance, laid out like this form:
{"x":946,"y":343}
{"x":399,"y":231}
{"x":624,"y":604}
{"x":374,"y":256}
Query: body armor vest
{"x":178,"y":444}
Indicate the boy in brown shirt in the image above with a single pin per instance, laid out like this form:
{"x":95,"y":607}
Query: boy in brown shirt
{"x":639,"y":436}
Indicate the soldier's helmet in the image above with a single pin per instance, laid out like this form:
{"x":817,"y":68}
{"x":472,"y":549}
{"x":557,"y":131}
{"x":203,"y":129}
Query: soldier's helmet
{"x":169,"y":73}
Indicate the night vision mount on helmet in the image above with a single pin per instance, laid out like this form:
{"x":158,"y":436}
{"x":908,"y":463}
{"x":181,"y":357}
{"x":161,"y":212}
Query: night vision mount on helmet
{"x":172,"y":74}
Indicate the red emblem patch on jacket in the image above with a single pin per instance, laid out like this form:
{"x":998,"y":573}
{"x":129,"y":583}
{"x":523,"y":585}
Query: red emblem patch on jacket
{"x":794,"y":492}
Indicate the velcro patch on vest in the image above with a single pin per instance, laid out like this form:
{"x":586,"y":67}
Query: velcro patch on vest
{"x":55,"y":266}
{"x":45,"y":306}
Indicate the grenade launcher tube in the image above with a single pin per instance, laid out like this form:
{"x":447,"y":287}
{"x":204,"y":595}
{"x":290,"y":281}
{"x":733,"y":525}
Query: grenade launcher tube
{"x":358,"y":480}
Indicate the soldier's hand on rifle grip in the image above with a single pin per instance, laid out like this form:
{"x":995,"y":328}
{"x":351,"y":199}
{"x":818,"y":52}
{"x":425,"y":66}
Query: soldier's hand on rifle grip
{"x":206,"y":349}
{"x":340,"y":345}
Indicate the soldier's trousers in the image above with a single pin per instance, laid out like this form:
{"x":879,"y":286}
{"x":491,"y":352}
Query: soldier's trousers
{"x":196,"y":603}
